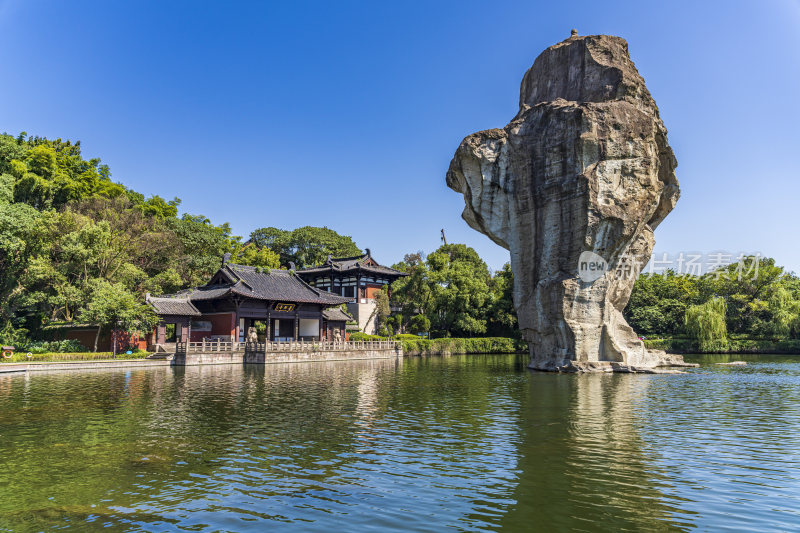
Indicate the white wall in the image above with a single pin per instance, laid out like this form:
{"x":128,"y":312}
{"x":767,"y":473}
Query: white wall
{"x":363,"y":315}
{"x":309,"y":327}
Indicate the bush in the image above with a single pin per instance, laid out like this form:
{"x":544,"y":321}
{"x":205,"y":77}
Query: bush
{"x":39,"y":347}
{"x":22,"y":357}
{"x":358,"y":336}
{"x":406,"y":337}
{"x":451,"y":346}
{"x":734,"y":344}
{"x":9,"y":336}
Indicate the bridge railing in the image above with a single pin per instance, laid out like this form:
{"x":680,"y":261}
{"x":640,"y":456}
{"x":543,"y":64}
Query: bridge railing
{"x":218,"y":346}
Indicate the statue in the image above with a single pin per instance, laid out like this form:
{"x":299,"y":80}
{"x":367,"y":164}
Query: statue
{"x":574,"y":186}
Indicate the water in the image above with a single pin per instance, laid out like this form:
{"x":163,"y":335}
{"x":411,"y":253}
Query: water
{"x":472,"y":443}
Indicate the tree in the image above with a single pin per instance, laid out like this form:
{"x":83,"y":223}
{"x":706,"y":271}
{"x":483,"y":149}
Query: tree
{"x":51,"y":173}
{"x":18,"y":243}
{"x":419,"y":324}
{"x":412,"y":293}
{"x":201,"y":246}
{"x":459,"y":290}
{"x":381,"y":311}
{"x":111,"y":305}
{"x":658,"y":302}
{"x":306,"y":246}
{"x":251,"y":255}
{"x":706,"y":324}
{"x":501,"y":316}
{"x":747,"y":287}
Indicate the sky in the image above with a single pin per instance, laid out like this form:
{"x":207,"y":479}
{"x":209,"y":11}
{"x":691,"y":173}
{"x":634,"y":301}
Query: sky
{"x":346,"y":114}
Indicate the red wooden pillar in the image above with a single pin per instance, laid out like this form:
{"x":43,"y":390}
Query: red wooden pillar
{"x":184,"y":336}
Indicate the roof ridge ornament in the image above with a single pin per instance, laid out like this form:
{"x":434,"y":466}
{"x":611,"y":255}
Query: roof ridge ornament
{"x":226,"y":258}
{"x":292,"y":267}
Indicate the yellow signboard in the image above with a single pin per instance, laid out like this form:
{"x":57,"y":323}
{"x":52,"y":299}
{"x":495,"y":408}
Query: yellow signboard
{"x":286,"y":308}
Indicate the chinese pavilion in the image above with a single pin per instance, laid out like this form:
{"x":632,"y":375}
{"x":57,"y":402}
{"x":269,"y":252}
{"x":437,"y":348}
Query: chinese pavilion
{"x":355,"y":278}
{"x":278,"y":303}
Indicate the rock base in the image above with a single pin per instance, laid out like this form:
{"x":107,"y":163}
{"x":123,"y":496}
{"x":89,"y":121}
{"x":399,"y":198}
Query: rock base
{"x":666,"y":364}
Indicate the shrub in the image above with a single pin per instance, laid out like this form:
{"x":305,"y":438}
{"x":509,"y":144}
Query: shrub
{"x":358,"y":336}
{"x":39,"y":347}
{"x":450,"y":346}
{"x":22,"y":357}
{"x":406,"y":337}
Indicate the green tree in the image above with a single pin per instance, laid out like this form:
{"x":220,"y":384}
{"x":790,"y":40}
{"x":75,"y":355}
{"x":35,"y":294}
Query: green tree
{"x":251,"y":255}
{"x":658,"y":302}
{"x":201,"y":246}
{"x":112,"y":306}
{"x":18,"y":243}
{"x":381,"y":312}
{"x":412,"y":294}
{"x":306,"y":246}
{"x":501,"y":316}
{"x":706,"y":324}
{"x":459,"y":282}
{"x":747,"y":287}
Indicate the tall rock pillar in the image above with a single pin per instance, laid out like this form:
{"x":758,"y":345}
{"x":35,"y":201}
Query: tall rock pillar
{"x":574,"y":186}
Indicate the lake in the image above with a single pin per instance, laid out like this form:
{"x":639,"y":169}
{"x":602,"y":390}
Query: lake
{"x":472,"y":443}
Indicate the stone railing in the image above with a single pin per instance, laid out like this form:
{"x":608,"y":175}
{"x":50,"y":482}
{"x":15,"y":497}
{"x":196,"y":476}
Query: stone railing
{"x":218,"y":346}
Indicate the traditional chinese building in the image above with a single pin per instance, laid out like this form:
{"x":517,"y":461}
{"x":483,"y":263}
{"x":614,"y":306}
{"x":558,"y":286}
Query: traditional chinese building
{"x":355,"y":278}
{"x":278,"y":303}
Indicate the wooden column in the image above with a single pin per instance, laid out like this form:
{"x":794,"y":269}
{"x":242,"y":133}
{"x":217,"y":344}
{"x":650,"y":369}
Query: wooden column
{"x":236,"y":323}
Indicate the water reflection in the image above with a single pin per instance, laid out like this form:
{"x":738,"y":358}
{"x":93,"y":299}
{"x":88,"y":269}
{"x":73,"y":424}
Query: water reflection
{"x":473,"y":443}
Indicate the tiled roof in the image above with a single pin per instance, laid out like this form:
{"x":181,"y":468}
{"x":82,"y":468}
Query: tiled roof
{"x":346,"y":264}
{"x":177,"y":306}
{"x":335,"y":314}
{"x":266,"y":284}
{"x":249,"y":282}
{"x":278,"y":285}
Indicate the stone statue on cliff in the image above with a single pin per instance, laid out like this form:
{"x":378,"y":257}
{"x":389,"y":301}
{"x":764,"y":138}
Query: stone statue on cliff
{"x":574,"y":186}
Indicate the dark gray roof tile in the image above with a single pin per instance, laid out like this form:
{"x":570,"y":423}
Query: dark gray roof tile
{"x":347,"y":264}
{"x":176,"y":306}
{"x":278,"y":285}
{"x":335,"y":314}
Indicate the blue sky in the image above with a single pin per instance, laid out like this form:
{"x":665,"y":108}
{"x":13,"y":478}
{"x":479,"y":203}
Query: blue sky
{"x":347,"y":114}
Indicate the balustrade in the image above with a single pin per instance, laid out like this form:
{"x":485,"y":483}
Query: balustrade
{"x":219,"y":346}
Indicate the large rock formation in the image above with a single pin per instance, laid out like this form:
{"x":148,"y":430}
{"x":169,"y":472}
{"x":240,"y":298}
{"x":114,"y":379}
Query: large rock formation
{"x":574,"y":186}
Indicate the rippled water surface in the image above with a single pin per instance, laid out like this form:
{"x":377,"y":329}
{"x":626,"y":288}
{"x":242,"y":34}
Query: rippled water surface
{"x":469,"y":443}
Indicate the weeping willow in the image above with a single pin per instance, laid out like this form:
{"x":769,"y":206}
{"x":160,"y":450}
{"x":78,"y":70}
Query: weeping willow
{"x":706,"y":323}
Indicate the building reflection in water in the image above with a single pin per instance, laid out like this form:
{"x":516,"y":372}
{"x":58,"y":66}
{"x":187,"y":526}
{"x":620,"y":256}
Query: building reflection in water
{"x":464,"y":442}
